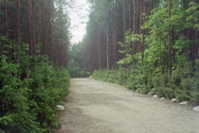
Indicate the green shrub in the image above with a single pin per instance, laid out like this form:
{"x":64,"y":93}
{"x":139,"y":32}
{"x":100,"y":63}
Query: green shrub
{"x":117,"y":76}
{"x":14,"y":115}
{"x":195,"y":98}
{"x":30,"y":89}
{"x":182,"y":85}
{"x":182,"y":95}
{"x":143,"y":89}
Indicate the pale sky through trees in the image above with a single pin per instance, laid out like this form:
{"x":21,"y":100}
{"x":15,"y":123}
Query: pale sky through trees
{"x":79,"y":17}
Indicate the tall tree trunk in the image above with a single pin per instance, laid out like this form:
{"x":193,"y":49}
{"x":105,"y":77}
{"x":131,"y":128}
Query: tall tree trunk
{"x":169,"y":40}
{"x":124,"y":20}
{"x":30,"y":27}
{"x":115,"y":38}
{"x":18,"y":21}
{"x":134,"y":28}
{"x":5,"y":18}
{"x":50,"y":28}
{"x":130,"y":14}
{"x":140,"y":23}
{"x":107,"y":46}
{"x":144,"y":31}
{"x":134,"y":16}
{"x":18,"y":26}
{"x":99,"y":47}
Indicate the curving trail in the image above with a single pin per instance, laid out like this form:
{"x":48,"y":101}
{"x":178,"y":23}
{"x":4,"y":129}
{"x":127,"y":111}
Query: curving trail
{"x":98,"y":107}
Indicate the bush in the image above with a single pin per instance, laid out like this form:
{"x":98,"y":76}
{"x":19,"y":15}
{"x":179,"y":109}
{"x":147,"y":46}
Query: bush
{"x":195,"y":98}
{"x":117,"y":76}
{"x":179,"y":86}
{"x":29,"y":105}
{"x":30,"y":89}
{"x":15,"y":115}
{"x":182,"y":85}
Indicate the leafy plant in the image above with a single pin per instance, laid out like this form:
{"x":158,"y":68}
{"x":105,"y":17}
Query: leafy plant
{"x":29,"y":91}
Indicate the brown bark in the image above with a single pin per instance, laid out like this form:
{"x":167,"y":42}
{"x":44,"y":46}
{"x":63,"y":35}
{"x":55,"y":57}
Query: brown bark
{"x":107,"y":47}
{"x":5,"y":18}
{"x":99,"y":47}
{"x":114,"y":39}
{"x":18,"y":26}
{"x":130,"y":14}
{"x":30,"y":27}
{"x":124,"y":20}
{"x":140,"y":24}
{"x":169,"y":41}
{"x":134,"y":28}
{"x":18,"y":22}
{"x":134,"y":16}
{"x":49,"y":28}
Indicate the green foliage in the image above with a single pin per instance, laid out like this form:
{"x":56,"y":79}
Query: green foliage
{"x":182,"y":95}
{"x":30,"y":89}
{"x":127,"y":48}
{"x":150,"y":73}
{"x":117,"y":76}
{"x":195,"y":85}
{"x":163,"y":92}
{"x":15,"y":116}
{"x":127,"y":60}
{"x":75,"y":64}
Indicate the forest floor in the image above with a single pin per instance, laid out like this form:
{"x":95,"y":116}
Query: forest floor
{"x":98,"y":107}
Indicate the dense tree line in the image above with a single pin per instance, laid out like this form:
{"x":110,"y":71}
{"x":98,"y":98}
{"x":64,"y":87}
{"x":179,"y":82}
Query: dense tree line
{"x":33,"y":57}
{"x":41,"y":24}
{"x":148,"y":45}
{"x":75,"y":63}
{"x":110,"y":20}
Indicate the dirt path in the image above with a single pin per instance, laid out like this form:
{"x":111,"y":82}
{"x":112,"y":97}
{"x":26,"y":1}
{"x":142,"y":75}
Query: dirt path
{"x":98,"y":107}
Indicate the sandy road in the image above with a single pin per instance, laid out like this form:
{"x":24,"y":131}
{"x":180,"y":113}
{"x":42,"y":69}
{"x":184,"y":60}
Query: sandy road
{"x":98,"y":107}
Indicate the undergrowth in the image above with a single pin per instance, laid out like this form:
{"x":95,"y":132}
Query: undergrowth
{"x":181,"y":85}
{"x":30,"y":89}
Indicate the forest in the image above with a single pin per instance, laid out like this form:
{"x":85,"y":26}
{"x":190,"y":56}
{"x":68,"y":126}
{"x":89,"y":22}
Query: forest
{"x":34,"y":38}
{"x":150,"y":46}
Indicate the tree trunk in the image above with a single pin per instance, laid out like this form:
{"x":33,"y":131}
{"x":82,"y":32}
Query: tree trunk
{"x":18,"y":26}
{"x":134,"y":28}
{"x":30,"y":27}
{"x":107,"y":47}
{"x":130,"y":14}
{"x":169,"y":41}
{"x":5,"y":18}
{"x":50,"y":8}
{"x":124,"y":20}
